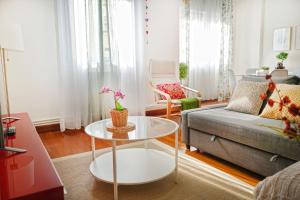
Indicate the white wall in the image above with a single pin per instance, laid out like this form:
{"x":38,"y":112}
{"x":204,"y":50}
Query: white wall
{"x":163,"y":39}
{"x":247,"y":35}
{"x":163,"y":30}
{"x":281,"y":13}
{"x":254,"y":26}
{"x":33,"y":74}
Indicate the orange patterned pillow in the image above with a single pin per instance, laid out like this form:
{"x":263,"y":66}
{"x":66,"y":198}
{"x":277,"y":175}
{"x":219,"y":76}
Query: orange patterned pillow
{"x":173,"y":89}
{"x":272,"y":112}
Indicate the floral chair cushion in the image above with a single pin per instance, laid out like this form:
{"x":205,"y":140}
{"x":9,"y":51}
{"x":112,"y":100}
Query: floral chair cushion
{"x":173,"y":89}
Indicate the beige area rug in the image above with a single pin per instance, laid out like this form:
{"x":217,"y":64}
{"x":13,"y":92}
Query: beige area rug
{"x":196,"y":180}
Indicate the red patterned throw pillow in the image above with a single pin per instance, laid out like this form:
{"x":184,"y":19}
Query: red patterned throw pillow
{"x":173,"y":89}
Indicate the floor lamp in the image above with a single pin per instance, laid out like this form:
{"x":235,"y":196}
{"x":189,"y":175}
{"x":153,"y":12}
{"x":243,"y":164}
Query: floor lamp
{"x":10,"y":40}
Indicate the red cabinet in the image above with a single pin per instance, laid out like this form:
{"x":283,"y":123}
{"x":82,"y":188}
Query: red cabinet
{"x":29,"y":175}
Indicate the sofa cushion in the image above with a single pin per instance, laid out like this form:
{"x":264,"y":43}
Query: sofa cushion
{"x":272,"y":112}
{"x":245,"y":129}
{"x":291,"y":80}
{"x":246,"y":98}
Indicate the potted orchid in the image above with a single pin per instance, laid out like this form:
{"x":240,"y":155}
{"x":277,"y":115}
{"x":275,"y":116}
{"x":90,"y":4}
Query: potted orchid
{"x":119,"y":114}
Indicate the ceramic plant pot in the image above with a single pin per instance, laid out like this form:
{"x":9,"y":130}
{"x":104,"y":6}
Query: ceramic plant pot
{"x":280,"y":65}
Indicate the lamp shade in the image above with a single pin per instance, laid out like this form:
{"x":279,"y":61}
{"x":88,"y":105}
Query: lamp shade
{"x":11,"y":37}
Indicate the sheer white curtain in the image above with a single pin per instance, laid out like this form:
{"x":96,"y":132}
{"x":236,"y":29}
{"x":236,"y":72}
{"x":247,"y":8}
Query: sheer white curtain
{"x":72,"y":68}
{"x":128,"y":52}
{"x":202,"y":45}
{"x":98,"y":46}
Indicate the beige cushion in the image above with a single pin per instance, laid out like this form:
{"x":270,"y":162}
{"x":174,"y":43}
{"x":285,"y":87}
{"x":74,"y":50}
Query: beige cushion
{"x":246,"y":98}
{"x":293,"y":92}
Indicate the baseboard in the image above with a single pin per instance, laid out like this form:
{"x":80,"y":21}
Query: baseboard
{"x":46,"y":122}
{"x":48,"y":125}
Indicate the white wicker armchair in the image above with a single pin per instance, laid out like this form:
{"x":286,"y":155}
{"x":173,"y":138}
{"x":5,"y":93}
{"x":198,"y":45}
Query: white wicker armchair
{"x":167,"y":72}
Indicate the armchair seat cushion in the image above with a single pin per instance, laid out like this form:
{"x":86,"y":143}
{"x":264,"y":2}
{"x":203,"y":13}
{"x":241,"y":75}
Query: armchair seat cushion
{"x":245,"y":129}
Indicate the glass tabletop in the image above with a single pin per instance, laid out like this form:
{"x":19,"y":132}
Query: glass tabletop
{"x":145,"y":128}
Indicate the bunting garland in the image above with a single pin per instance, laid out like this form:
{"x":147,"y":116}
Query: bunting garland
{"x":147,"y":20}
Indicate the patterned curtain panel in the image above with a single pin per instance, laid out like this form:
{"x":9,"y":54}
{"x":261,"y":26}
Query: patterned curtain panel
{"x":206,"y":45}
{"x":226,"y":60}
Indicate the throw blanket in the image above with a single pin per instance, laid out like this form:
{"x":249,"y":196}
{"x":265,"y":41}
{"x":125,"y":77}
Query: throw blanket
{"x":284,"y":185}
{"x":189,"y":103}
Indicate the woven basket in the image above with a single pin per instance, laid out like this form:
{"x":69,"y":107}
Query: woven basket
{"x":119,"y":118}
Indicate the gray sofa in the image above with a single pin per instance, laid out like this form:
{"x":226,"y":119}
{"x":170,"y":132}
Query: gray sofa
{"x":239,"y":139}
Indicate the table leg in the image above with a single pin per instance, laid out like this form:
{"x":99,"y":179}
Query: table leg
{"x":176,"y":155}
{"x":93,"y":147}
{"x":115,"y":170}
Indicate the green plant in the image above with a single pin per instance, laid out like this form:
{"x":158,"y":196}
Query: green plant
{"x":183,"y":71}
{"x":282,"y":56}
{"x":265,"y":67}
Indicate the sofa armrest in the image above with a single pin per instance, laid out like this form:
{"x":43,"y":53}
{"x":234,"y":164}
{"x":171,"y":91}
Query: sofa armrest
{"x":185,"y":137}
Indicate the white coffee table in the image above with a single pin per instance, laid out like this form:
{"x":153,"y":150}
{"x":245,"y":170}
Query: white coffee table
{"x":134,"y":165}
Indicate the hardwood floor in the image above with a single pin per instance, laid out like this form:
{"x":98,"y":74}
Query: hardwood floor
{"x":76,"y":141}
{"x":70,"y":142}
